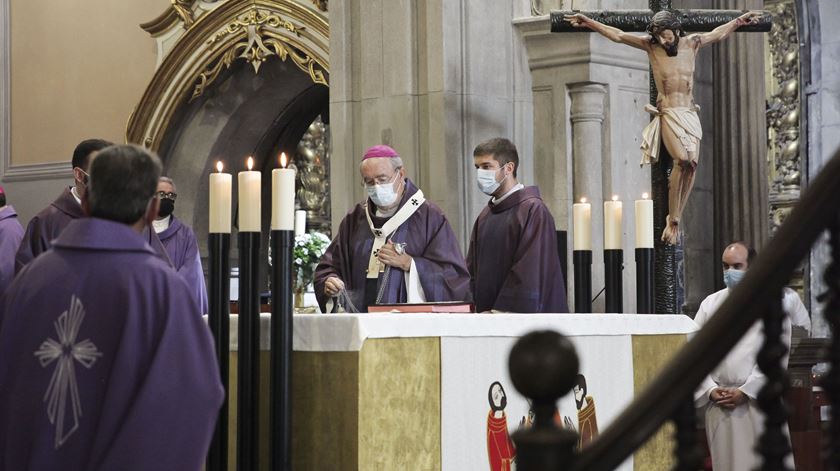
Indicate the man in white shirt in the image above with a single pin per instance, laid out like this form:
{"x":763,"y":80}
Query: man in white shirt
{"x":734,"y":421}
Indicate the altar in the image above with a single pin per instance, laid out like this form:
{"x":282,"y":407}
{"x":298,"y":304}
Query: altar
{"x":432,"y":391}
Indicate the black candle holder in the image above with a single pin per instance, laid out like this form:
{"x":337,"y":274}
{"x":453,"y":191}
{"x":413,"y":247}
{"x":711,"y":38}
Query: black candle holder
{"x":644,"y":280}
{"x":613,"y":266}
{"x":582,"y":261}
{"x":218,"y":318}
{"x":282,"y":244}
{"x":247,"y":427}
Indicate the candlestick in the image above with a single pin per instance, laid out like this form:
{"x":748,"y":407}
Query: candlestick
{"x":280,"y":403}
{"x":250,"y":199}
{"x":248,"y":368}
{"x":582,"y":223}
{"x":220,"y":190}
{"x":612,"y":224}
{"x":218,"y":319}
{"x":300,"y":222}
{"x":644,"y":222}
{"x":283,"y":197}
{"x":613,"y":290}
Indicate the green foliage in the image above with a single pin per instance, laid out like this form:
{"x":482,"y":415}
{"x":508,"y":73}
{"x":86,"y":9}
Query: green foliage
{"x":307,"y":252}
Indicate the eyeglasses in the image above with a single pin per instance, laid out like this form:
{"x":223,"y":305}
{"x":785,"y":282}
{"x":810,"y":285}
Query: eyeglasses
{"x":167,"y":195}
{"x":382,"y":180}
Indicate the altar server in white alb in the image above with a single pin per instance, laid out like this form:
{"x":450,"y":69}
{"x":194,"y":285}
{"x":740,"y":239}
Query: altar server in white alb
{"x":734,"y":421}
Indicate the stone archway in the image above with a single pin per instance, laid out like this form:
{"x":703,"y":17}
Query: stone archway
{"x":237,"y":78}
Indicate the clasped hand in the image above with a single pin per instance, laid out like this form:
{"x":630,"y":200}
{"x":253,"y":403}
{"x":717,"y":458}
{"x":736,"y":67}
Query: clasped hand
{"x":728,"y":398}
{"x":389,"y":256}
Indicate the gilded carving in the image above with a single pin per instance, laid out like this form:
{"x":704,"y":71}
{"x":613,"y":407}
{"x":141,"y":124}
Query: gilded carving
{"x":321,"y":4}
{"x":783,"y":112}
{"x":312,"y":162}
{"x":215,"y":40}
{"x":259,"y":44}
{"x":183,"y":8}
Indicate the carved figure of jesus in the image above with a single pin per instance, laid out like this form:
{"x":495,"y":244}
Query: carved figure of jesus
{"x":676,"y":124}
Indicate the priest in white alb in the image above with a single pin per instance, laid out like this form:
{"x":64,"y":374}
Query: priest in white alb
{"x":734,"y":422}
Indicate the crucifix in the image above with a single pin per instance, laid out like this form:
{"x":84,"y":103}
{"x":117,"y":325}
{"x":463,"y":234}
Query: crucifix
{"x":675,"y":123}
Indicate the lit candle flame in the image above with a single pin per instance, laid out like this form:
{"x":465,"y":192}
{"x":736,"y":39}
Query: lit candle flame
{"x":250,"y":163}
{"x":219,"y":166}
{"x":283,"y":159}
{"x":615,"y":198}
{"x":645,"y":196}
{"x":583,"y":200}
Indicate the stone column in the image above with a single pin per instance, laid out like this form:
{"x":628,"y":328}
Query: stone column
{"x":427,"y":79}
{"x":740,"y":146}
{"x":589,"y":97}
{"x":587,"y":118}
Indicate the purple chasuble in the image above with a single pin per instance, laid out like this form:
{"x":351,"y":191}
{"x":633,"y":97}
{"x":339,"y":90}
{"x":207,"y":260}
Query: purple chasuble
{"x":48,"y":224}
{"x":429,"y":240}
{"x":513,"y":258}
{"x":104,"y":363}
{"x":11,"y":233}
{"x":182,"y":247}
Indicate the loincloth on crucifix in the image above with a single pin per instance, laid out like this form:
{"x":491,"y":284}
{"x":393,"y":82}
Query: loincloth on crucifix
{"x":683,"y":121}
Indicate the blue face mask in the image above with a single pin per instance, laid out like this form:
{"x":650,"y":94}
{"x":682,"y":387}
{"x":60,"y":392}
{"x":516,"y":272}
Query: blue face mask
{"x":732,"y":277}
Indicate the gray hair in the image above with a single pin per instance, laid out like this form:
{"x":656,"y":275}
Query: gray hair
{"x":396,"y":162}
{"x":123,"y":179}
{"x":165,"y":179}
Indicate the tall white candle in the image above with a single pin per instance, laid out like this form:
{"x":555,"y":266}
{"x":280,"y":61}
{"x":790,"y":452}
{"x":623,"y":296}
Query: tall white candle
{"x":300,"y":222}
{"x":612,"y":224}
{"x":220,"y":191}
{"x":582,"y":225}
{"x":250,"y":199}
{"x":644,"y":222}
{"x":282,"y":197}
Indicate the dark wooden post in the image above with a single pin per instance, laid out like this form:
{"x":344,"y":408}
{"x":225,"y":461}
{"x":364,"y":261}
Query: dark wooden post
{"x":543,"y":366}
{"x":831,"y":382}
{"x":774,"y":444}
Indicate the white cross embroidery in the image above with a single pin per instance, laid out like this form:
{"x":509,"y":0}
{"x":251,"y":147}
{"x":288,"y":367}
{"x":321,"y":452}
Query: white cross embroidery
{"x":63,"y":380}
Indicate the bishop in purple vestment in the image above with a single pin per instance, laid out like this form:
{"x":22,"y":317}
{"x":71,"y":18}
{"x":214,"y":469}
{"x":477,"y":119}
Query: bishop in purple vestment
{"x":180,"y":243}
{"x":48,"y":224}
{"x":395,"y":247}
{"x":105,"y":364}
{"x":513,"y":259}
{"x":11,"y":232}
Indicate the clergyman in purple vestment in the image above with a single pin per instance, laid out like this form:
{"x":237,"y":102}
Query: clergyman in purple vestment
{"x":105,"y":363}
{"x":513,"y":260}
{"x":11,"y":232}
{"x":180,"y":243}
{"x":395,"y":247}
{"x":48,"y":224}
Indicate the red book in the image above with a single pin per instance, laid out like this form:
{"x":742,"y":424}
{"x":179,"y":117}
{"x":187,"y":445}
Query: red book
{"x":440,"y":307}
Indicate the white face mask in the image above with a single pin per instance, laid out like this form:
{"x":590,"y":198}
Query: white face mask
{"x":383,"y":196}
{"x":487,"y":181}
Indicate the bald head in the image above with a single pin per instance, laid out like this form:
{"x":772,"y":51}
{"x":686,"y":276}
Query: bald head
{"x":738,"y":256}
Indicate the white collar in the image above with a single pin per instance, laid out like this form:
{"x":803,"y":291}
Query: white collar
{"x":162,"y":225}
{"x":76,"y":195}
{"x":513,"y":190}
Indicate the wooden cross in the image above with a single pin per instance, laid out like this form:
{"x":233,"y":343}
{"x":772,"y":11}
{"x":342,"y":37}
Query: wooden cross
{"x":669,"y":293}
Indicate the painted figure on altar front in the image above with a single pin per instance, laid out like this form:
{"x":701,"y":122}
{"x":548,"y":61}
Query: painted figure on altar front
{"x":500,"y":449}
{"x":675,"y":121}
{"x":587,"y":422}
